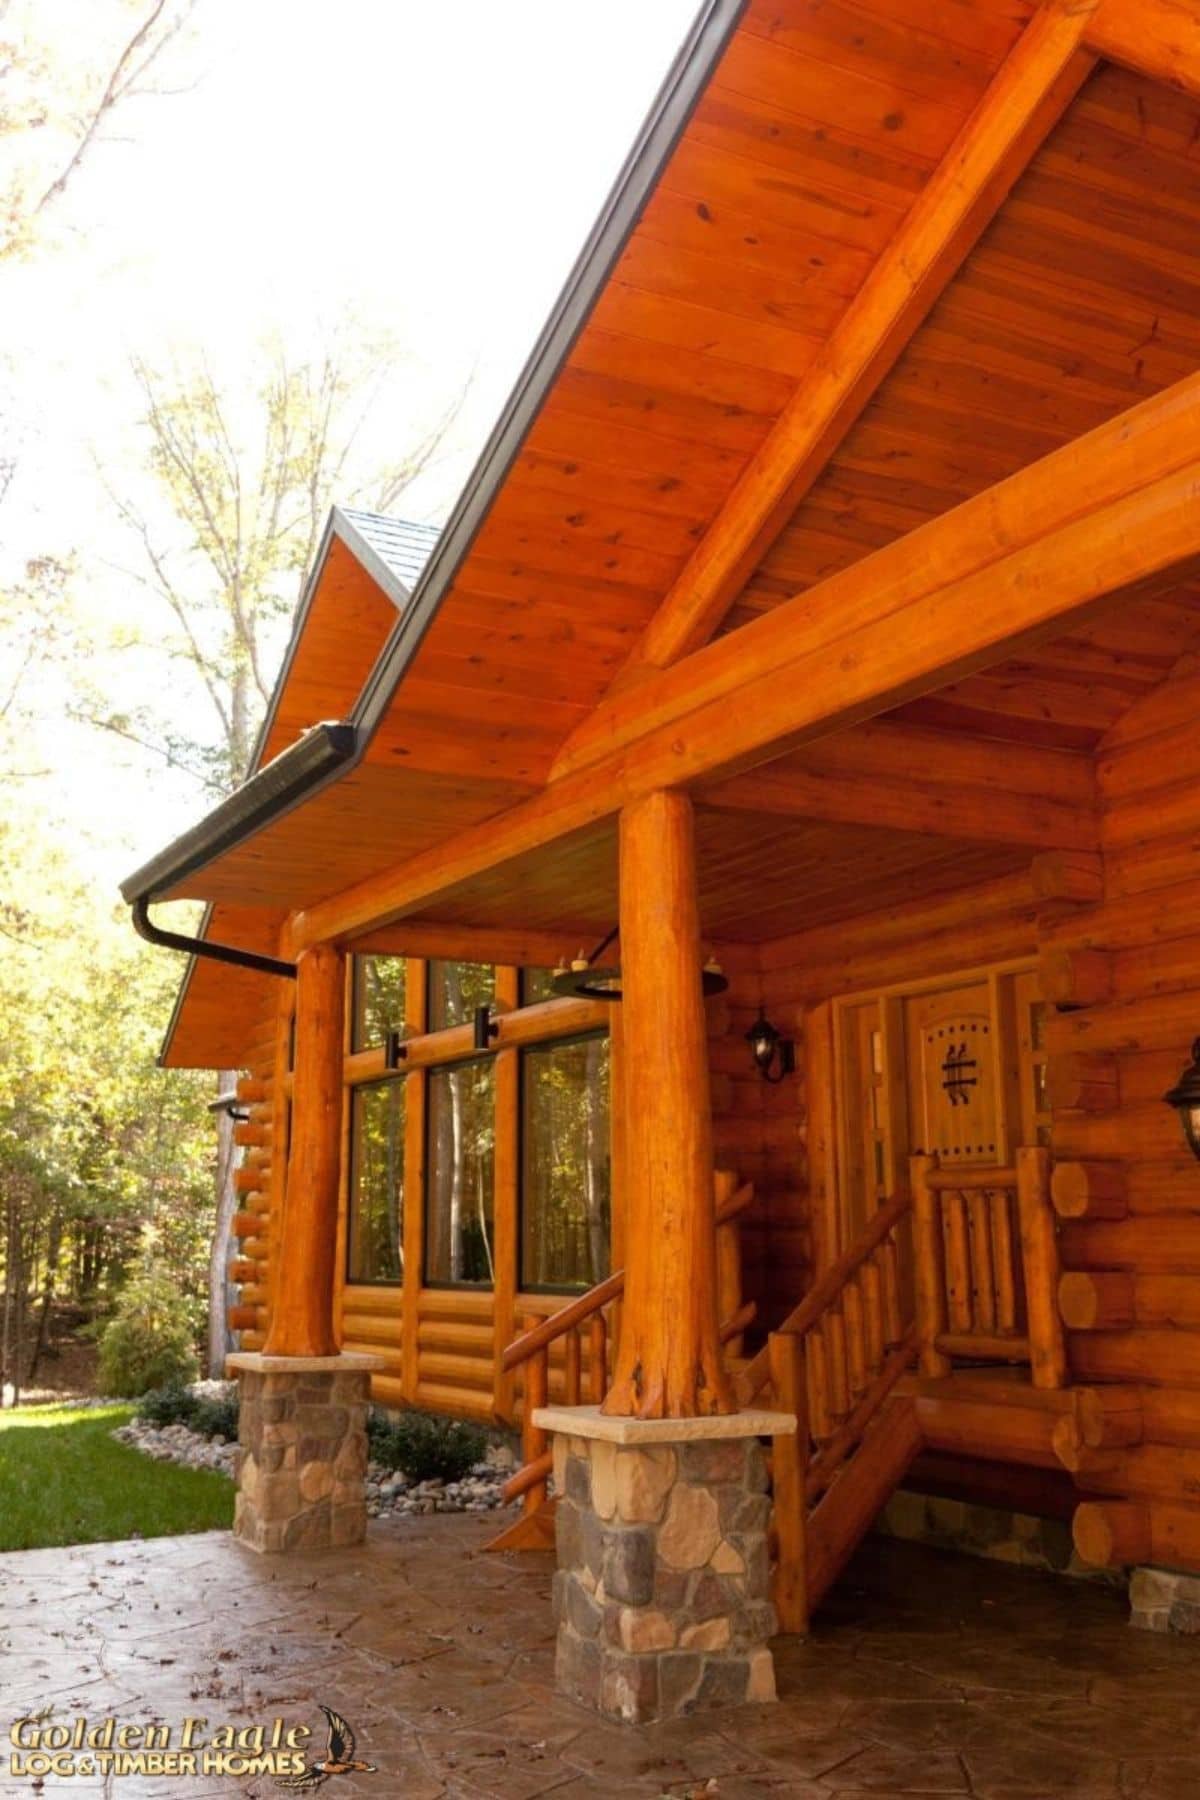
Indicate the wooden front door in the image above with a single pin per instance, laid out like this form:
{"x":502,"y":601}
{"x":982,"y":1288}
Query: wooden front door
{"x":953,"y":1069}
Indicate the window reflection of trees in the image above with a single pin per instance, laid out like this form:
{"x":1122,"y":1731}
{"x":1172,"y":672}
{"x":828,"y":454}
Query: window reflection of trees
{"x":456,"y":989}
{"x":379,"y":996}
{"x":566,"y":1171}
{"x":376,"y":1234}
{"x":461,"y":1178}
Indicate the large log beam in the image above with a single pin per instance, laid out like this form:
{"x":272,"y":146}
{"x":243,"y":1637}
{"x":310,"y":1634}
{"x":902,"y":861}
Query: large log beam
{"x":669,"y":1362}
{"x":1158,"y":38}
{"x":302,"y":1314}
{"x":1033,"y":88}
{"x":1112,"y":510}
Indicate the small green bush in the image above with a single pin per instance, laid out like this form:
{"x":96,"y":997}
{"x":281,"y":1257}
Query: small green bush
{"x":216,"y":1417}
{"x":423,"y":1447}
{"x":149,"y":1342}
{"x":170,"y":1405}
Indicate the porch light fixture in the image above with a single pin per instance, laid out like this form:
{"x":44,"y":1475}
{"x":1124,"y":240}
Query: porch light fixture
{"x":1185,"y":1098}
{"x":585,"y":977}
{"x":774,"y":1056}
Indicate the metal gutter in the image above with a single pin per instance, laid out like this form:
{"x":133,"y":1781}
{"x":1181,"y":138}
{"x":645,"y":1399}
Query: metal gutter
{"x":241,"y":816}
{"x":194,"y":946}
{"x":295,"y":775}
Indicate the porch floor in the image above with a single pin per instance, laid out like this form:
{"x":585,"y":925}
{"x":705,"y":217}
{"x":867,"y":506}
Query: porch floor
{"x":926,"y":1674}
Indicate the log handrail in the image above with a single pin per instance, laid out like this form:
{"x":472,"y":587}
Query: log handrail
{"x":833,"y":1363}
{"x":825,"y":1291}
{"x":531,"y":1350}
{"x":576,"y":1311}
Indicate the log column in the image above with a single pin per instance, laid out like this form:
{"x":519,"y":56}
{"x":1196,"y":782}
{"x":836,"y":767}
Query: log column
{"x":302,"y":1428}
{"x":302,"y":1317}
{"x":669,"y":1362}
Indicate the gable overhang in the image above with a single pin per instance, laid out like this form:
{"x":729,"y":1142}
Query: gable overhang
{"x":329,"y":751}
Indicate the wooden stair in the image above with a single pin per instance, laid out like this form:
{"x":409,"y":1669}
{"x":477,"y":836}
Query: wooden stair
{"x":869,"y":1386}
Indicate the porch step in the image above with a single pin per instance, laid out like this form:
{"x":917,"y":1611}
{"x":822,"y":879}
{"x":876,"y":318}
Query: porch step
{"x":865,"y":1483}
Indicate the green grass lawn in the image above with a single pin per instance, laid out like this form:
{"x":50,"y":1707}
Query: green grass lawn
{"x":64,"y":1480}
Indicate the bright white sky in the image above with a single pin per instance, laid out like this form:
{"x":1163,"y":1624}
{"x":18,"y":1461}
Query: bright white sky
{"x":431,"y":167}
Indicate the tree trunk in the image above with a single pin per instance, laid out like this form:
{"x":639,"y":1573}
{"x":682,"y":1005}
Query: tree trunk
{"x":220,"y":1338}
{"x":53,"y":1250}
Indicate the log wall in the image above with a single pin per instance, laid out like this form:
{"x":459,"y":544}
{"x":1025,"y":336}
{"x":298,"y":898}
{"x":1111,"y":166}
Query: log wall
{"x":1127,"y":1184}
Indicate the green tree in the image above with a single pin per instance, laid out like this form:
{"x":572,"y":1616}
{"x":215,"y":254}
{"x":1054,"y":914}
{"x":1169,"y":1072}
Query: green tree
{"x":59,"y":95}
{"x":98,"y":1146}
{"x":225,"y":522}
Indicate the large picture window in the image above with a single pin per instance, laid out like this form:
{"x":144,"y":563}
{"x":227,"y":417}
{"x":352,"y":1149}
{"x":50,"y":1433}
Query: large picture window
{"x":461,"y":1174}
{"x":379,"y":994}
{"x":566,"y":1173}
{"x":375,"y":1238}
{"x":456,"y":989}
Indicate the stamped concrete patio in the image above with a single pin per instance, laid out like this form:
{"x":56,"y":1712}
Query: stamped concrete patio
{"x":927,"y":1674}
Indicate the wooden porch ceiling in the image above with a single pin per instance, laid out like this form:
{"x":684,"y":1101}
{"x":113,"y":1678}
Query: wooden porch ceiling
{"x":759,"y":878}
{"x":831,"y":326}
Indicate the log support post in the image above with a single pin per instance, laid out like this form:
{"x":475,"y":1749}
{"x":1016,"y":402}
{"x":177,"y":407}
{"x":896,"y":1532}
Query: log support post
{"x":669,"y":1362}
{"x":303,"y":1413}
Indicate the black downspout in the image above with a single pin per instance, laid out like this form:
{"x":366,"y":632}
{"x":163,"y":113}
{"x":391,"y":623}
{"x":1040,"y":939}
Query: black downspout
{"x":194,"y":946}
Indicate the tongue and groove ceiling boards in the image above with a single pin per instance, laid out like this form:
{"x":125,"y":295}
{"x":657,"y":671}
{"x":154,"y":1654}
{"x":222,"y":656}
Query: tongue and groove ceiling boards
{"x":899,"y":252}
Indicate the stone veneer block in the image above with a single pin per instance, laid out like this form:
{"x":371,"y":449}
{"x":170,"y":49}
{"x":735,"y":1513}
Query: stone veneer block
{"x":661,"y":1595}
{"x":1164,"y":1600}
{"x":302,"y":1460}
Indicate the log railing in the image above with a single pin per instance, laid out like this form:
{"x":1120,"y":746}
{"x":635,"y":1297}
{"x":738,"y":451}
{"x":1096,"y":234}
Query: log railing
{"x":985,"y":1266}
{"x":583,"y":1328}
{"x":834,"y":1363}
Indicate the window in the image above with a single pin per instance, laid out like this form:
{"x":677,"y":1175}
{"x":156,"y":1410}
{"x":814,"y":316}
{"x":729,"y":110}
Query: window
{"x":536,"y":985}
{"x":461,"y":1165}
{"x":375,"y":1239}
{"x":456,"y":989}
{"x":379,"y":990}
{"x":565,"y":1167}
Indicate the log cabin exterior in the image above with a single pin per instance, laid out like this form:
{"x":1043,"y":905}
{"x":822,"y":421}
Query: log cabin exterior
{"x":824,"y":603}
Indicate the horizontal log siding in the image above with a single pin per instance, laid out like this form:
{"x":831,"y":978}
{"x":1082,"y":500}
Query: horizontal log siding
{"x":1148,"y":923}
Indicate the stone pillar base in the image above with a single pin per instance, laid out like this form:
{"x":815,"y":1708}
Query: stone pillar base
{"x":662,"y":1594}
{"x":1164,"y":1600}
{"x":302,"y":1460}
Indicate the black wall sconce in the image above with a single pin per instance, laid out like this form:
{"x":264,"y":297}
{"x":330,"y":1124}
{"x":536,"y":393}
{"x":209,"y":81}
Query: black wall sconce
{"x":1185,"y":1098}
{"x":774,"y":1056}
{"x":486,"y":1027}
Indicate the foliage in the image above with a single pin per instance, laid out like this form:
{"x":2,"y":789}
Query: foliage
{"x":57,"y":96}
{"x":150,"y":1340}
{"x":216,"y":1415}
{"x":172,"y":1404}
{"x":64,"y":1479}
{"x":104,"y":1158}
{"x":225,"y":525}
{"x":212,"y":1415}
{"x":423,"y":1446}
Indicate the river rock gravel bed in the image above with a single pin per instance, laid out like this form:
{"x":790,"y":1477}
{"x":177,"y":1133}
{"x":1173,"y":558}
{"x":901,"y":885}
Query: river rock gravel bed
{"x":388,"y":1490}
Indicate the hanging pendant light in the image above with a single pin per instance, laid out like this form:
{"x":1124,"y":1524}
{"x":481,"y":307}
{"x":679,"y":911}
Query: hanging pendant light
{"x":586,"y":977}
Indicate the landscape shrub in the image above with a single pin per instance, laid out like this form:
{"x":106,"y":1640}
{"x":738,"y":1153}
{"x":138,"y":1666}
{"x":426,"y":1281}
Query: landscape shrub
{"x":216,"y":1415}
{"x":212,"y":1415}
{"x":173,"y":1404}
{"x":150,"y":1340}
{"x":424,"y":1447}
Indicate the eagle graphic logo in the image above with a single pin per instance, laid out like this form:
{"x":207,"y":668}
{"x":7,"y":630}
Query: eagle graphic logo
{"x":339,"y":1759}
